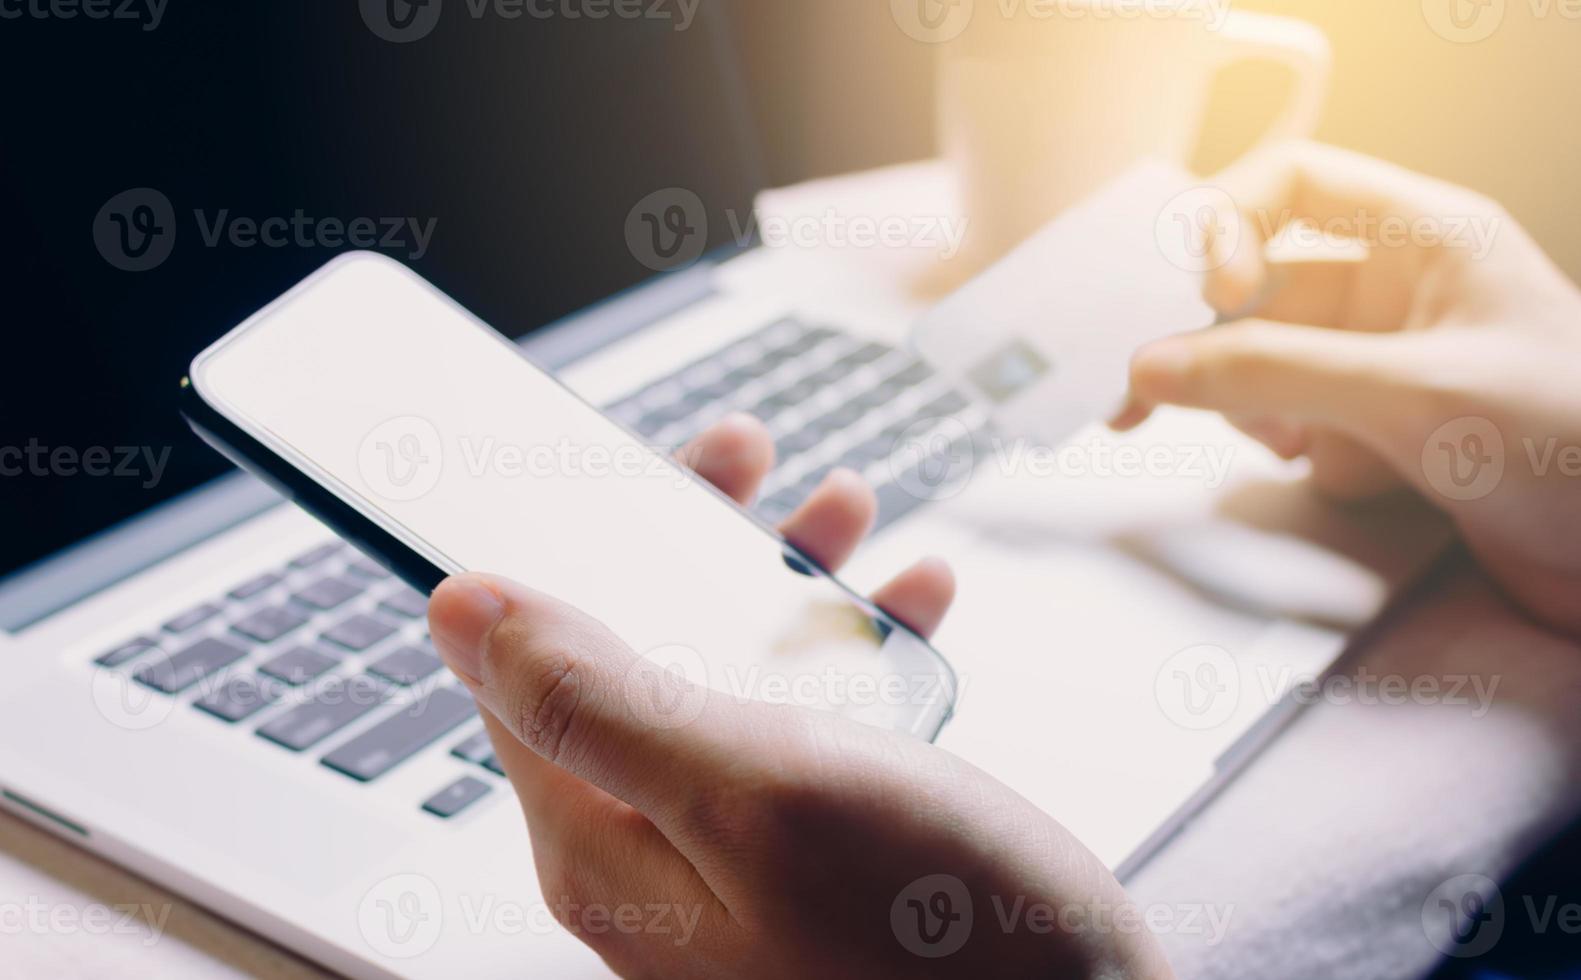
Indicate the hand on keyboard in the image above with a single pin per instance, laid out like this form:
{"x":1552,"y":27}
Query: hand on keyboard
{"x":783,"y":842}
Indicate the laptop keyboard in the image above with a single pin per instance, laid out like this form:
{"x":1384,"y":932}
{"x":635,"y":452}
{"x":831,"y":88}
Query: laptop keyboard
{"x":331,"y":643}
{"x":829,"y":400}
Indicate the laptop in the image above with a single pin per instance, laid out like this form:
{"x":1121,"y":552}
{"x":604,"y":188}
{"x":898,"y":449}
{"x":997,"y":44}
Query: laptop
{"x":189,"y":659}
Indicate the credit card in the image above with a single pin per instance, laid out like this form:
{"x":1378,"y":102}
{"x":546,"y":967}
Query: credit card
{"x":1045,"y":336}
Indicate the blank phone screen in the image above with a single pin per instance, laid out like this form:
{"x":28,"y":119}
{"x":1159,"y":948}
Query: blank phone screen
{"x":382,"y":390}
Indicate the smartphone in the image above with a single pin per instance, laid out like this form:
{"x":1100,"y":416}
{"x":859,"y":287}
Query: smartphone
{"x":430,"y":442}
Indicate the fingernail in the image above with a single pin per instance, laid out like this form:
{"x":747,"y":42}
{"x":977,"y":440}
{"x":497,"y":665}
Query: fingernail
{"x":464,"y":610}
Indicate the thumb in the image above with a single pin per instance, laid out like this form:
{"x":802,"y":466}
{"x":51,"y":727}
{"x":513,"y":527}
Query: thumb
{"x":1316,"y":375}
{"x":560,"y":683}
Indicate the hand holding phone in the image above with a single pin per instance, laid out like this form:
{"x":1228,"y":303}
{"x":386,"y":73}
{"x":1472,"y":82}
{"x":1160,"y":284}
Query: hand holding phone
{"x":775,"y":843}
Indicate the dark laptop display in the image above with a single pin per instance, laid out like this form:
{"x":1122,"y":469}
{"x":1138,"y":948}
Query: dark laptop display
{"x":500,"y":156}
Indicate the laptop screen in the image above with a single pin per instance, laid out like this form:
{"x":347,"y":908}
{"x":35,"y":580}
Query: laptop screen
{"x":166,"y":175}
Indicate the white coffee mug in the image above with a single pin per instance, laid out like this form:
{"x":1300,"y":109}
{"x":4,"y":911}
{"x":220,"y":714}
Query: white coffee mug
{"x":1041,"y":102}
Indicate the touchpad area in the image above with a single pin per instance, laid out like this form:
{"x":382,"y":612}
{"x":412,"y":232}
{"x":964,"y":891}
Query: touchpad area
{"x":163,"y":778}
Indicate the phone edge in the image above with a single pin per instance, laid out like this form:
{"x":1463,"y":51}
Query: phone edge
{"x":293,"y":484}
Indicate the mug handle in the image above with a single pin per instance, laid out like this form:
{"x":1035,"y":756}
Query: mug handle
{"x":1300,"y":46}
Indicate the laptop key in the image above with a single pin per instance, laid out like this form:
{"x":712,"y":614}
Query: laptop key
{"x":733,"y":381}
{"x":298,"y":665}
{"x":769,"y":407}
{"x":661,"y":419}
{"x":255,"y":586}
{"x":317,"y":555}
{"x":841,"y":418}
{"x":371,"y":570}
{"x":866,"y":453}
{"x":774,"y":360}
{"x":328,"y":593}
{"x":475,"y":749}
{"x":625,"y":412}
{"x":492,"y":764}
{"x":895,"y":502}
{"x":358,"y":632}
{"x":402,"y":735}
{"x":125,"y":652}
{"x":838,"y":371}
{"x":405,"y":665}
{"x":239,"y":698}
{"x":407,"y":602}
{"x":913,"y":374}
{"x":798,"y":442}
{"x":456,"y":797}
{"x":922,"y":481}
{"x":798,"y":392}
{"x":807,"y":341}
{"x":192,"y":618}
{"x":948,"y":403}
{"x":184,"y":668}
{"x":867,"y":353}
{"x":712,"y":392}
{"x":697,"y":374}
{"x":694,"y":400}
{"x":269,"y":623}
{"x":649,"y":426}
{"x":337,"y":705}
{"x":906,"y":426}
{"x":879,"y":396}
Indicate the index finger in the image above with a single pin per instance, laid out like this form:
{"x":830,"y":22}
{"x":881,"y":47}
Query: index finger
{"x":1398,"y":215}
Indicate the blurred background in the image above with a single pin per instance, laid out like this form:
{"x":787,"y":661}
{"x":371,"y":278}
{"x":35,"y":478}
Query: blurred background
{"x":1501,"y":114}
